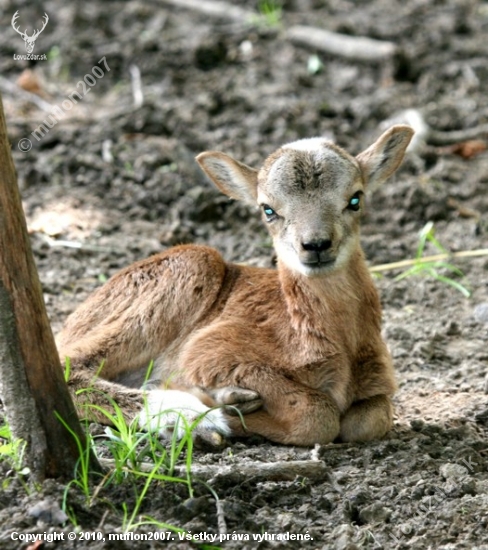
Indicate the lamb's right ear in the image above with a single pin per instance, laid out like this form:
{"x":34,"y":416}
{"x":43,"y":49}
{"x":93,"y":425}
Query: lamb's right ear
{"x":232,"y":177}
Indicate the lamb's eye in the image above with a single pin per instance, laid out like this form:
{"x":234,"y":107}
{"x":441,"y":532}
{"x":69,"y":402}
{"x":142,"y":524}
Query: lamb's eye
{"x":355,"y":202}
{"x":269,"y":212}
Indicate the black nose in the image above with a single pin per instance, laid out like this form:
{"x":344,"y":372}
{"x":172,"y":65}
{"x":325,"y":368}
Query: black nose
{"x":320,"y":245}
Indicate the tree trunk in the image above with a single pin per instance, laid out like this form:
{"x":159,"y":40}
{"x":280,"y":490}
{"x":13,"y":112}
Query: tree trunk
{"x":32,"y":383}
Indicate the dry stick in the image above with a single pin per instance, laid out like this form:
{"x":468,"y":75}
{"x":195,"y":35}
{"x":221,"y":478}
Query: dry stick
{"x":435,"y":137}
{"x":17,"y":91}
{"x":427,"y":259}
{"x":221,"y":523}
{"x":358,"y":48}
{"x":349,"y":47}
{"x":136,"y":82}
{"x":271,"y":471}
{"x":214,"y":8}
{"x":102,"y":521}
{"x":53,"y":243}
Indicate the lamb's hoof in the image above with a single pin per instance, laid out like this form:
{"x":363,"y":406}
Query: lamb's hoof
{"x":237,"y":400}
{"x":209,"y":441}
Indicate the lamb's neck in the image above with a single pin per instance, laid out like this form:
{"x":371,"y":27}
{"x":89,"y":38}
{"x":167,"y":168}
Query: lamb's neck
{"x":313,"y":301}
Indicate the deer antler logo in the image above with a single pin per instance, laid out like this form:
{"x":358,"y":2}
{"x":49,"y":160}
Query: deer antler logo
{"x":30,"y":41}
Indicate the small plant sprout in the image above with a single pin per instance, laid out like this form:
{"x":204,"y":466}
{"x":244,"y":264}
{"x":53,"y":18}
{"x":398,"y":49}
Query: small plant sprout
{"x":67,"y":370}
{"x":83,"y":475}
{"x":128,"y":447}
{"x":12,"y":450}
{"x":429,"y":267}
{"x":270,"y":13}
{"x":129,"y":519}
{"x":123,"y":438}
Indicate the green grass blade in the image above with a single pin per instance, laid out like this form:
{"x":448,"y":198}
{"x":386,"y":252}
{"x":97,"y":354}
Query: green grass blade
{"x":458,"y":286}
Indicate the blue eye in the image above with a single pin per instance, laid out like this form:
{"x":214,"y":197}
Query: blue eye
{"x":268,"y":211}
{"x":354,"y":202}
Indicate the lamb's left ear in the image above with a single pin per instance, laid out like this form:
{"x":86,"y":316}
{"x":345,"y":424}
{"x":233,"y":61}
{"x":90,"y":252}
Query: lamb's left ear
{"x":380,"y":160}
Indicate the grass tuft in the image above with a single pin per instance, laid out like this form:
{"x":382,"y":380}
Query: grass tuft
{"x":13,"y":451}
{"x":430,"y":266}
{"x":270,"y":14}
{"x":130,"y":450}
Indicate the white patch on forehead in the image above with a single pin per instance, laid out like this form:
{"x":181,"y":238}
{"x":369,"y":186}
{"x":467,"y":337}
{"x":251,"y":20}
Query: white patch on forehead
{"x":318,"y":148}
{"x":310,"y":144}
{"x":321,"y":149}
{"x":308,"y":163}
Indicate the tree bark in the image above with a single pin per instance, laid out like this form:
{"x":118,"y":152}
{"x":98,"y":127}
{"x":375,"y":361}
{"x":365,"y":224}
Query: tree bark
{"x":32,"y":383}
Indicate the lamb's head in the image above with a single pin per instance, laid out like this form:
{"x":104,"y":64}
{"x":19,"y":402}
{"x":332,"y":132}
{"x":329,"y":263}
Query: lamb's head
{"x":311,"y":195}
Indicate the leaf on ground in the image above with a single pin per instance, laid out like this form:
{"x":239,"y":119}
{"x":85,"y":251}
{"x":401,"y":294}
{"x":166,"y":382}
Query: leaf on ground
{"x":467,"y":149}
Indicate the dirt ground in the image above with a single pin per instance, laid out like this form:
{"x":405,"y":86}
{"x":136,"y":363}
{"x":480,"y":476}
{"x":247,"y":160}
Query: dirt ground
{"x":113,"y":181}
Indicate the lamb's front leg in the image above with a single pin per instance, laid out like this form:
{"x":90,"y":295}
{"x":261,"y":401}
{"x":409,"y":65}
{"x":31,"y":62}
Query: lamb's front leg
{"x":291,"y":413}
{"x":168,"y":411}
{"x":367,"y":419}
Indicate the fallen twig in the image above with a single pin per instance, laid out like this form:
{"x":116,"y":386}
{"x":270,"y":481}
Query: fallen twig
{"x":102,"y":521}
{"x":271,"y":471}
{"x":221,"y":523}
{"x":424,"y":133}
{"x":214,"y":8}
{"x":18,"y":92}
{"x":358,"y":48}
{"x":429,"y":259}
{"x":435,"y":137}
{"x":53,"y":243}
{"x":136,"y":82}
